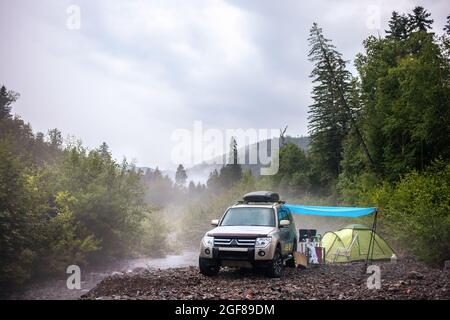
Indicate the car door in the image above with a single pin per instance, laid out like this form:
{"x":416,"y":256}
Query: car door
{"x":293,"y":230}
{"x":285,"y":232}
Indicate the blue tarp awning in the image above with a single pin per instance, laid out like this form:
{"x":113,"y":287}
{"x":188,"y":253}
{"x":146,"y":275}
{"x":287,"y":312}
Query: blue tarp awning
{"x":350,"y":212}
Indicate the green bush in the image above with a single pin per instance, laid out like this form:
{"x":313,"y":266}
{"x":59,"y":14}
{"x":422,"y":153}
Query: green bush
{"x":81,"y":209}
{"x":414,"y":213}
{"x":418,"y":213}
{"x":153,"y":233}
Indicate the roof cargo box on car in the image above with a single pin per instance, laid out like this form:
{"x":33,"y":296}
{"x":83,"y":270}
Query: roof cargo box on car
{"x":262,"y":196}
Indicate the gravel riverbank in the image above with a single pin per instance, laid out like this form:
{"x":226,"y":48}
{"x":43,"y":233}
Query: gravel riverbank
{"x":403,"y":280}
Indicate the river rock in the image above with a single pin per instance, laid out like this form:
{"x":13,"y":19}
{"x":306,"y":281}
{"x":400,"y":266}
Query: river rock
{"x":415,"y":275}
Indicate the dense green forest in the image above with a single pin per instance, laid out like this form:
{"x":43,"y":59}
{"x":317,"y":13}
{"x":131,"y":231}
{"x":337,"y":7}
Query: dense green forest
{"x":377,"y":138}
{"x":61,"y":204}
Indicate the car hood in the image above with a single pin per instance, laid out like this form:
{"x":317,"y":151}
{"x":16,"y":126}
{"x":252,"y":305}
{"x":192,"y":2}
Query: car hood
{"x":250,"y":231}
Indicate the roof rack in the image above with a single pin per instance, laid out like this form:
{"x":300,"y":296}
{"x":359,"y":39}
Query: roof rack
{"x":262,"y":196}
{"x":260,"y":202}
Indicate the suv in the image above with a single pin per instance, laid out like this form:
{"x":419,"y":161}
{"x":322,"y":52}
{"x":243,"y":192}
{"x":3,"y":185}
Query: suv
{"x":256,"y":232}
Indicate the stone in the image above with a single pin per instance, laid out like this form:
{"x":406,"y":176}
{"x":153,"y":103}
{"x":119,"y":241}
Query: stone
{"x":415,"y":275}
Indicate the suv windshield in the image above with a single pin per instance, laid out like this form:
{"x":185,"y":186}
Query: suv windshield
{"x":249,"y":217}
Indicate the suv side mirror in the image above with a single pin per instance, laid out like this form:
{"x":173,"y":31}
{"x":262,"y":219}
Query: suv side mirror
{"x":284,"y":223}
{"x":215,"y":222}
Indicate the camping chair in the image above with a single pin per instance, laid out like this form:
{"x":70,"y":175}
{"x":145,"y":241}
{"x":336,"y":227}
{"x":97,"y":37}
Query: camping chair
{"x":345,"y":252}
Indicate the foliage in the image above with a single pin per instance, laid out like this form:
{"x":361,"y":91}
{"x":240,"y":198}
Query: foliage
{"x":419,"y":20}
{"x":229,"y":174}
{"x":328,"y":115}
{"x":67,"y":205}
{"x":180,"y":176}
{"x":404,"y":117}
{"x":398,"y":26}
{"x":293,"y":174}
{"x":414,"y":212}
{"x":418,"y":211}
{"x":159,"y":188}
{"x":20,"y":228}
{"x":405,"y":97}
{"x":7,"y":97}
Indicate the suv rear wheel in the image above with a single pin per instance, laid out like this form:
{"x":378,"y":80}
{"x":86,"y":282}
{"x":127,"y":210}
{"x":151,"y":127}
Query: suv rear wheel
{"x":207,"y":268}
{"x":276,"y":267}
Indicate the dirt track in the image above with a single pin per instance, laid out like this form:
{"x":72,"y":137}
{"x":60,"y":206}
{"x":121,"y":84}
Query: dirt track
{"x":404,"y":280}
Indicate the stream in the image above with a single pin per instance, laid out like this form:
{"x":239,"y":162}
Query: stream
{"x":56,"y":289}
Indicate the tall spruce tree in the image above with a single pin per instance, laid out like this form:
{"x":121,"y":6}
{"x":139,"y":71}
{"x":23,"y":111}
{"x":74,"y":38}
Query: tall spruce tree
{"x":328,"y":116}
{"x":419,"y":20}
{"x":181,"y":176}
{"x":447,"y":26}
{"x":398,"y":26}
{"x":7,"y":97}
{"x":446,"y":40}
{"x":104,"y":151}
{"x":232,"y":171}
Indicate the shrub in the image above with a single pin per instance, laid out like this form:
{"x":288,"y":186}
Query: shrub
{"x":418,"y":213}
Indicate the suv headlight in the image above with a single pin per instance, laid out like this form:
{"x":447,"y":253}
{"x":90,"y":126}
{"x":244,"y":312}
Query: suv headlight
{"x":208,"y":241}
{"x":262,"y":242}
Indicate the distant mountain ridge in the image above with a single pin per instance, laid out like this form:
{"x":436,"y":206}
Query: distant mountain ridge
{"x":200,"y":172}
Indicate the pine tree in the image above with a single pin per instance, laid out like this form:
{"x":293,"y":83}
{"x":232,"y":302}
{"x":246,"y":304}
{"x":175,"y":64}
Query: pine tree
{"x":40,"y":137}
{"x":55,"y":138}
{"x":419,"y":20}
{"x":447,"y":26}
{"x":181,"y":176}
{"x":233,"y":170}
{"x":6,"y":99}
{"x":104,"y":151}
{"x":233,"y":155}
{"x":192,"y":188}
{"x":213,"y":180}
{"x":446,"y":40}
{"x":328,"y":117}
{"x":398,"y":26}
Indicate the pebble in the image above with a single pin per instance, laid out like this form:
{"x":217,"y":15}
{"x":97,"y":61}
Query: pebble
{"x":340,"y":281}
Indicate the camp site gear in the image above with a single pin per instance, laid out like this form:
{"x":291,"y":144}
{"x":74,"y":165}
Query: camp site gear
{"x":352,"y":243}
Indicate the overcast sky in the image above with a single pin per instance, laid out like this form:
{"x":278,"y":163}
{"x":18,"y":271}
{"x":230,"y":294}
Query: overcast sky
{"x":137,"y":70}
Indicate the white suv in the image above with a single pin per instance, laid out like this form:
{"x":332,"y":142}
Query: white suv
{"x":256,"y":232}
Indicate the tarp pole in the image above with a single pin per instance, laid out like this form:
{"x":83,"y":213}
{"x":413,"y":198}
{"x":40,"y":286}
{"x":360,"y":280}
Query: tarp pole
{"x":372,"y":239}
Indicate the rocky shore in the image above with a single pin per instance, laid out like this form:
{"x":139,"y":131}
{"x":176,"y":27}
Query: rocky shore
{"x":403,"y":280}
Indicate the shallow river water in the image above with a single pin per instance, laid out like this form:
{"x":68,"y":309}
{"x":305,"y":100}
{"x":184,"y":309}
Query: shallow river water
{"x":56,"y":289}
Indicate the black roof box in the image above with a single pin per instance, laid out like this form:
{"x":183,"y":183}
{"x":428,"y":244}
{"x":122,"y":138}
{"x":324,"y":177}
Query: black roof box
{"x":262,"y":196}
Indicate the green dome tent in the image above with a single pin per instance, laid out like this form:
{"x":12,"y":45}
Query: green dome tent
{"x":352,"y":244}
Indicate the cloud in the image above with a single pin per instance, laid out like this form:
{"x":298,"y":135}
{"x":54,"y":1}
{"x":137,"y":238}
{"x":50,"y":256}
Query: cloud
{"x":137,"y":70}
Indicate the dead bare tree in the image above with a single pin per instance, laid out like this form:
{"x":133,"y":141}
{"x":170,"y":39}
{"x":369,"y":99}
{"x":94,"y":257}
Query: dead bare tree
{"x":282,"y":137}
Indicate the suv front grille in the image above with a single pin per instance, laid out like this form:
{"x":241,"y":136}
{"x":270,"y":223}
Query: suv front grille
{"x":234,"y":242}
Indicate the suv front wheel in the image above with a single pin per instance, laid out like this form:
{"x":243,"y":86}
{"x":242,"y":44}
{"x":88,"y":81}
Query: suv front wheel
{"x":276,"y":267}
{"x":207,"y":268}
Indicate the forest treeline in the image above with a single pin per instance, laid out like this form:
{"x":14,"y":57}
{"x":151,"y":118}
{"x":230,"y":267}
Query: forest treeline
{"x":378,"y":138}
{"x":61,"y":204}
